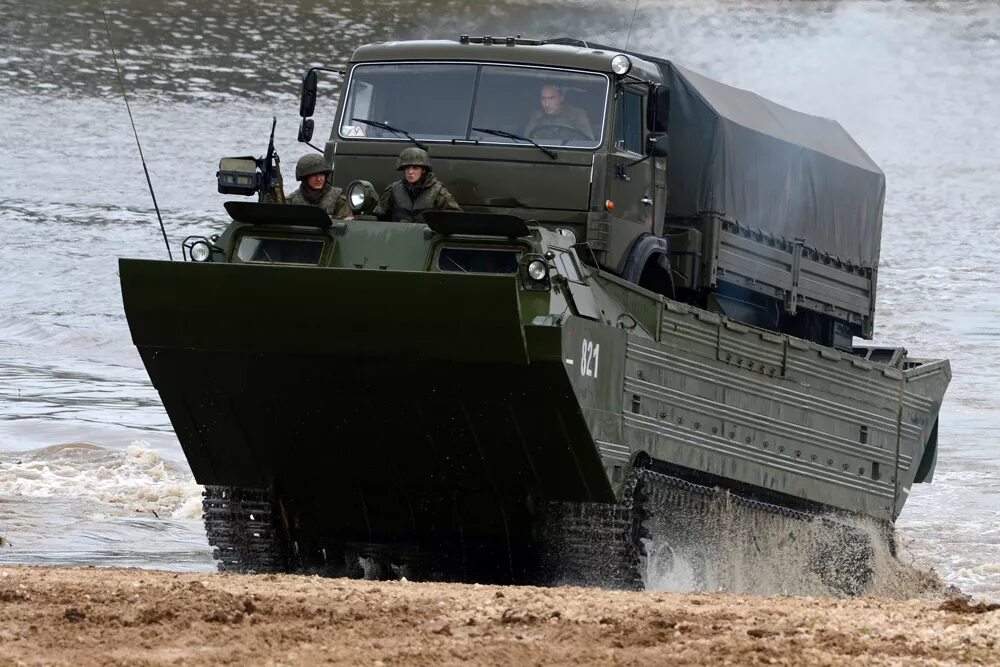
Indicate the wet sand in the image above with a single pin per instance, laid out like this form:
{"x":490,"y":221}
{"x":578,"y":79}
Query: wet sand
{"x":77,"y":616}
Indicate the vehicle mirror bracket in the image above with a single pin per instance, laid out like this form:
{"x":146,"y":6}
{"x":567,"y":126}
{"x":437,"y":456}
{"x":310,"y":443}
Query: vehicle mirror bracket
{"x":306,"y":128}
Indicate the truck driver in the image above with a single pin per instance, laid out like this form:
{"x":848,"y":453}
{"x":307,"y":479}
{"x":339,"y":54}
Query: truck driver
{"x":556,"y":119}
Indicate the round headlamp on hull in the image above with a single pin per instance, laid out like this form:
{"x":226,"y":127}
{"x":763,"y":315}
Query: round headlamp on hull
{"x":361,"y":196}
{"x":621,"y":64}
{"x":198,"y":248}
{"x":200,"y":251}
{"x":537,"y":270}
{"x":534,"y":273}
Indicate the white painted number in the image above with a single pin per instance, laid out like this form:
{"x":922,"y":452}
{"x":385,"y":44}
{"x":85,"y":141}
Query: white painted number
{"x":589,"y":356}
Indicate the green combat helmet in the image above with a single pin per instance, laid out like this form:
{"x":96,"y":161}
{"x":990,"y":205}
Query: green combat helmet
{"x":311,"y":164}
{"x":414,"y":157}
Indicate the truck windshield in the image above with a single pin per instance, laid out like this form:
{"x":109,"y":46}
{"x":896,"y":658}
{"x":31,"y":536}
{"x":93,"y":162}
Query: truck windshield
{"x":446,"y":101}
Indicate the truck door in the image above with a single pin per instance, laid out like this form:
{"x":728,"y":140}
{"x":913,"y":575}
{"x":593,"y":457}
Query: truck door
{"x":630,"y":187}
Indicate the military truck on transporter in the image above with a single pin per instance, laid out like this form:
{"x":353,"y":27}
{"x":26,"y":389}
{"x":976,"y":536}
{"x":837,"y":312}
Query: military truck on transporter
{"x":624,"y":329}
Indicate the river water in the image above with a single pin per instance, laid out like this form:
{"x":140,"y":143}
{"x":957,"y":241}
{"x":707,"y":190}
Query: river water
{"x":90,"y":471}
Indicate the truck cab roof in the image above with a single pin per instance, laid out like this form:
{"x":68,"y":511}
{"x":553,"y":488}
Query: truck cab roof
{"x":499,"y":50}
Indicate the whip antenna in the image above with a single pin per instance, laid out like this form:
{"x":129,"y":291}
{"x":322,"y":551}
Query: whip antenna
{"x":121,"y":84}
{"x":629,"y":35}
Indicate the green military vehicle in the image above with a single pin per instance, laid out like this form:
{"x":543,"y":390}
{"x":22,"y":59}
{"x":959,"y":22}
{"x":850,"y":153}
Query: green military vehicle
{"x":643,"y":317}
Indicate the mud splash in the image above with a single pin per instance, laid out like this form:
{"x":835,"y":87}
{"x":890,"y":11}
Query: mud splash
{"x":725,"y":546}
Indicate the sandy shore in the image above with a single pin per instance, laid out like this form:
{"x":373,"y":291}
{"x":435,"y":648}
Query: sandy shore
{"x":76,"y":616}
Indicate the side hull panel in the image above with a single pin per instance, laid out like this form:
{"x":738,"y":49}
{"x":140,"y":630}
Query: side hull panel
{"x":755,"y":408}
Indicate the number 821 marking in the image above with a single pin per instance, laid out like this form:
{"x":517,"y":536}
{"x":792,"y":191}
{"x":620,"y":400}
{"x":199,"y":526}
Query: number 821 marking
{"x":589,"y":355}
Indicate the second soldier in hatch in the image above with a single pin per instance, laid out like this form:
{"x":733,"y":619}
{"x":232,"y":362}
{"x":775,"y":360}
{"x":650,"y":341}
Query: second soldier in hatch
{"x":317,"y":189}
{"x":406,"y":200}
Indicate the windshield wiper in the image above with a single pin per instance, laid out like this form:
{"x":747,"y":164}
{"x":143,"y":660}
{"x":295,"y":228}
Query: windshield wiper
{"x":517,"y":137}
{"x":390,"y":128}
{"x":460,"y":267}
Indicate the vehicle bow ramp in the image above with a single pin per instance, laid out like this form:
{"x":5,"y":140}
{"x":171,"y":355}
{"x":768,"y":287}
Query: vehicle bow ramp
{"x":414,"y":406}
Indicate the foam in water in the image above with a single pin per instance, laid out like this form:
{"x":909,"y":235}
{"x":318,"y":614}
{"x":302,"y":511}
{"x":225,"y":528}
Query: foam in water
{"x":135,"y":479}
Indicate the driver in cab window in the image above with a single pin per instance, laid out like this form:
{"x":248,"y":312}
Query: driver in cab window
{"x":556,"y":119}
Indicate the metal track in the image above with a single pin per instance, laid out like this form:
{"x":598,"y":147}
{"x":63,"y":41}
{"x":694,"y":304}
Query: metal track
{"x":590,"y":544}
{"x":604,"y":545}
{"x":667,"y":489}
{"x":595,"y":544}
{"x":712,"y":523}
{"x":244,"y":531}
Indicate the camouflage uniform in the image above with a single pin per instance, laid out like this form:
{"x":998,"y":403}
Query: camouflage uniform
{"x":548,"y":126}
{"x":331,"y":199}
{"x":403,"y":202}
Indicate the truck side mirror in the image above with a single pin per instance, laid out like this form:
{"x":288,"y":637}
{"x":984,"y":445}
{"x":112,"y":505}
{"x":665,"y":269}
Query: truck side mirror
{"x":309,"y":85}
{"x":661,"y":111}
{"x":306,"y":129}
{"x":659,"y":146}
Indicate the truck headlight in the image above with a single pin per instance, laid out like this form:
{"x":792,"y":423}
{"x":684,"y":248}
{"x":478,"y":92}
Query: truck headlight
{"x":361,"y":196}
{"x":621,"y":64}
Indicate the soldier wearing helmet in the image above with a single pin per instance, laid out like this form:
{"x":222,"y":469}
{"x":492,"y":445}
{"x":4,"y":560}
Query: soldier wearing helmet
{"x":418,"y":190}
{"x":317,"y":188}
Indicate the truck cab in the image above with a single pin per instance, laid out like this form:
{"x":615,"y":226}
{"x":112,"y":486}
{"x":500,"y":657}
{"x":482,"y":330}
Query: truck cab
{"x":754,"y":211}
{"x":584,"y":158}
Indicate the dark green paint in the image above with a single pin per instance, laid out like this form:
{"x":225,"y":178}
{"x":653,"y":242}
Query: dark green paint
{"x":386,"y":401}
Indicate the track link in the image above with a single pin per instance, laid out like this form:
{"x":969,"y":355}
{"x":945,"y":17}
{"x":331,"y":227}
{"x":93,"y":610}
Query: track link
{"x":595,"y":544}
{"x":244,"y":530}
{"x":661,"y":522}
{"x":729,"y":540}
{"x":606,"y":545}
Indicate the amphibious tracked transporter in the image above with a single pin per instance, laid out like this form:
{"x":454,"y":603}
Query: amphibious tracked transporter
{"x":629,"y":326}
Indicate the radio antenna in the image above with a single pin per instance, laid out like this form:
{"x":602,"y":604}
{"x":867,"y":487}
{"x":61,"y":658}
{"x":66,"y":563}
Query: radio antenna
{"x":121,"y":84}
{"x":635,"y":11}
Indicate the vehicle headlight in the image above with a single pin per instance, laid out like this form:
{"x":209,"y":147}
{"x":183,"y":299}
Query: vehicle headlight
{"x":621,"y":64}
{"x":361,"y":196}
{"x":357,"y":196}
{"x":537,"y":270}
{"x":200,"y":251}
